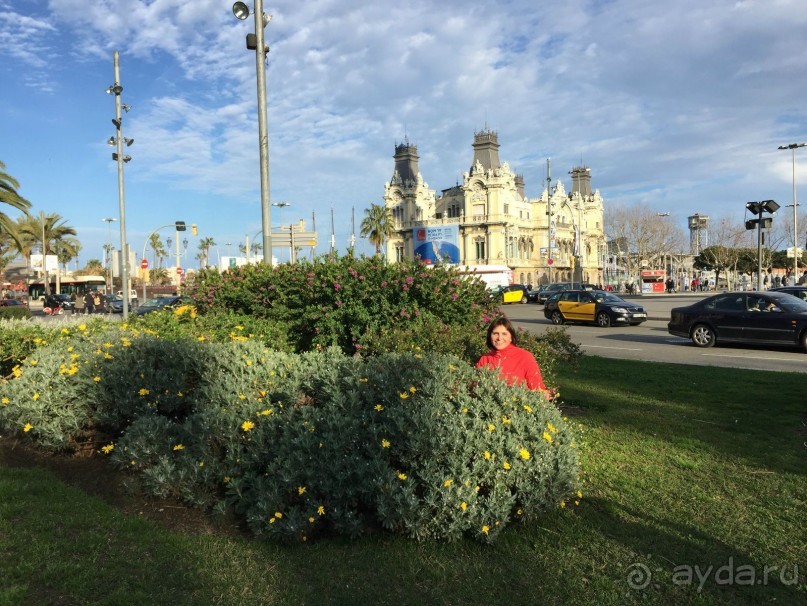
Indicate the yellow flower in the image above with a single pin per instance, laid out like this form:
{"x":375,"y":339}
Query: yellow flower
{"x":96,"y":378}
{"x":519,"y":511}
{"x":301,"y":490}
{"x":265,"y":413}
{"x":524,"y":454}
{"x":491,"y":427}
{"x":562,"y":504}
{"x":32,"y":362}
{"x":378,"y":407}
{"x":200,"y":338}
{"x":527,"y":408}
{"x":401,"y":476}
{"x":28,"y":427}
{"x":278,"y":515}
{"x":242,"y":396}
{"x":271,"y":520}
{"x":551,"y":428}
{"x":179,"y":447}
{"x":404,"y":395}
{"x":108,"y":345}
{"x":69,"y":349}
{"x":505,"y":420}
{"x":247,"y":425}
{"x":363,"y":380}
{"x":506,"y":465}
{"x":35,"y":396}
{"x":385,"y":443}
{"x":463,"y":505}
{"x":547,"y":437}
{"x":447,"y":483}
{"x":107,"y":356}
{"x":412,"y":389}
{"x":5,"y":400}
{"x":485,"y":530}
{"x":143,"y":391}
{"x":321,"y":510}
{"x":579,"y":495}
{"x":82,"y":327}
{"x":487,"y":455}
{"x":311,"y":520}
{"x":108,"y":448}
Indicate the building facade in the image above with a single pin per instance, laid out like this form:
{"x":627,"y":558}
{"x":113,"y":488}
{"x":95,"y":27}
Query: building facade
{"x":491,"y":221}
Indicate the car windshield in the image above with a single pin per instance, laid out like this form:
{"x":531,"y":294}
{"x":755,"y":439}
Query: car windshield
{"x":607,"y":297}
{"x":158,"y":302}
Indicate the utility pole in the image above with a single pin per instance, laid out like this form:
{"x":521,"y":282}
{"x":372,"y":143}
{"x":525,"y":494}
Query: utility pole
{"x":549,"y":260}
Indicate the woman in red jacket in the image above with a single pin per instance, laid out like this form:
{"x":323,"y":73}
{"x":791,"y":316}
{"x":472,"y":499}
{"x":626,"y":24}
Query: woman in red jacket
{"x":516,"y":366}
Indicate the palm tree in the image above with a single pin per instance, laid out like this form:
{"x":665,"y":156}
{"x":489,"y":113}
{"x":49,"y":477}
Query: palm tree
{"x":205,"y":245}
{"x":377,"y":226}
{"x":66,"y":251}
{"x":9,"y":195}
{"x":159,"y":252}
{"x":46,"y":229}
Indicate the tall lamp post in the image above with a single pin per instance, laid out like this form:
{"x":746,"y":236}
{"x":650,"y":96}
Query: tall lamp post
{"x":118,"y":141}
{"x":256,"y":42}
{"x":108,"y":221}
{"x":794,"y":147}
{"x":758,"y":208}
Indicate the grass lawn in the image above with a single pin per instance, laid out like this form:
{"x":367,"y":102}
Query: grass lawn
{"x":694,"y":481}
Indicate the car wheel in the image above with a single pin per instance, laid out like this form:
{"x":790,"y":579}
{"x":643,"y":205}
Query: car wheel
{"x":557,"y":318}
{"x":603,"y":320}
{"x":703,"y":336}
{"x":524,"y":299}
{"x":804,"y":341}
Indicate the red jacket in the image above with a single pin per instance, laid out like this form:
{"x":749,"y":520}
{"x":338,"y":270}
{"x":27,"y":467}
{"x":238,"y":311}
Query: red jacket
{"x":516,"y":366}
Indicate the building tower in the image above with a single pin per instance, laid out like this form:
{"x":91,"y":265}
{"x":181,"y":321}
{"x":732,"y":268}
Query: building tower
{"x":698,"y":233}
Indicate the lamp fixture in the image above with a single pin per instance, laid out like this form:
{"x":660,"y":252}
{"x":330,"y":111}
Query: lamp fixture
{"x":125,"y":107}
{"x":240,"y":10}
{"x":116,"y":122}
{"x":128,"y":141}
{"x":125,"y":158}
{"x":114,"y":89}
{"x":111,"y":141}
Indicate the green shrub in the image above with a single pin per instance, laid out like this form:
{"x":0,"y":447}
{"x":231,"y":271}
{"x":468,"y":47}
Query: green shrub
{"x":16,"y":312}
{"x":346,"y":301}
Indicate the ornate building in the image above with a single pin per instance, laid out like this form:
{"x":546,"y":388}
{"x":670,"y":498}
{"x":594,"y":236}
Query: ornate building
{"x":488,"y":219}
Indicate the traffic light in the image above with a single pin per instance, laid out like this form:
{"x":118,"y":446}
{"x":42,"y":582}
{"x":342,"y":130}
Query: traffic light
{"x":194,"y":229}
{"x":181,"y":226}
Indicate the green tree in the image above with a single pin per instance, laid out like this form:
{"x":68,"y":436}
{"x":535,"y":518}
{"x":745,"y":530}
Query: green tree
{"x":46,"y":229}
{"x":205,"y":244}
{"x":160,"y":253}
{"x":9,"y":196}
{"x":377,"y":226}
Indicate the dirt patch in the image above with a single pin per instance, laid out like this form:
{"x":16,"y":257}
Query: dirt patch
{"x":94,"y":476}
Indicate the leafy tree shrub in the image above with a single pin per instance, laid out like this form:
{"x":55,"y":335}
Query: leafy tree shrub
{"x":345,"y":302}
{"x":15,"y":312}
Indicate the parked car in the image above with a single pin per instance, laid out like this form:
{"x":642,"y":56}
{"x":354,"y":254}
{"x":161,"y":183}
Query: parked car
{"x":158,"y":303}
{"x":535,"y":292}
{"x":515,"y":293}
{"x":774,"y":318}
{"x":798,"y":291}
{"x":596,"y":306}
{"x":113,"y":304}
{"x":12,"y":303}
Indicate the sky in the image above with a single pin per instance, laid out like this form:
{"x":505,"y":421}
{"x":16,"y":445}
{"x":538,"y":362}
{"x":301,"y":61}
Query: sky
{"x":679,"y":106}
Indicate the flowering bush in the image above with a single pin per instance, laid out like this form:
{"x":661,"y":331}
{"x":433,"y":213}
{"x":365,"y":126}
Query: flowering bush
{"x":347,"y":301}
{"x":422,"y":444}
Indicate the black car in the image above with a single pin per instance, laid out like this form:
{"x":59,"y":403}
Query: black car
{"x":597,"y":306}
{"x":773,"y":318}
{"x":113,"y":304}
{"x":152,"y":305}
{"x":797,"y":291}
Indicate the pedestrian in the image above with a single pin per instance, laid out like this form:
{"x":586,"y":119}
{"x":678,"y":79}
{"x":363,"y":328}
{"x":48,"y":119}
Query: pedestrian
{"x":96,"y":298}
{"x":89,"y":303}
{"x":803,"y":279}
{"x":516,"y":366}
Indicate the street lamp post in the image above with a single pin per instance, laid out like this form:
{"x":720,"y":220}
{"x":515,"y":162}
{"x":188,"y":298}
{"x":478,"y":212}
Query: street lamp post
{"x":256,"y":42}
{"x":793,"y":147}
{"x":116,"y":89}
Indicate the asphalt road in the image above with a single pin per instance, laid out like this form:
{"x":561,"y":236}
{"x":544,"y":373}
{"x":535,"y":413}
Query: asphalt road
{"x":650,"y":341}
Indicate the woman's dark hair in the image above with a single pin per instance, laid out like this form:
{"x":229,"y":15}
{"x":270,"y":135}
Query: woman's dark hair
{"x":501,"y":322}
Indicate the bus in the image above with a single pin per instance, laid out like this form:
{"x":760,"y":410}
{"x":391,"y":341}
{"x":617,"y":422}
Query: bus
{"x":79,"y":285}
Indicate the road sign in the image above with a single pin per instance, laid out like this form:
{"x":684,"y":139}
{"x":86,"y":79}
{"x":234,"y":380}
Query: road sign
{"x":179,"y":271}
{"x":144,"y":264}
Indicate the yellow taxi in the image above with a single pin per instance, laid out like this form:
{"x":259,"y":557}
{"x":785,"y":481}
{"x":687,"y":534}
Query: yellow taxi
{"x":515,"y":293}
{"x":597,"y":306}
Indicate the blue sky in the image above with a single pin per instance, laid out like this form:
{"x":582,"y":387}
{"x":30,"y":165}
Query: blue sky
{"x":677,"y":105}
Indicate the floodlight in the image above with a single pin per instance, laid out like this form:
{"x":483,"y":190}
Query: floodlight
{"x":111,"y":141}
{"x":116,"y":122}
{"x":128,"y":141}
{"x":115,"y":89}
{"x":240,"y":10}
{"x":125,"y":107}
